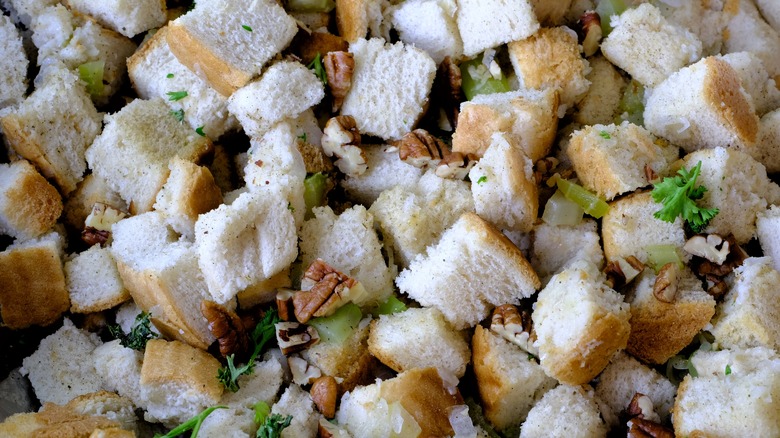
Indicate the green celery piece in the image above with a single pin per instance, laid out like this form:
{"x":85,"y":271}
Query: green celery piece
{"x":262,"y":410}
{"x":314,"y":187}
{"x":589,"y":202}
{"x":192,"y":424}
{"x":310,"y":5}
{"x":337,"y":327}
{"x":632,"y":104}
{"x":392,"y":305}
{"x":606,"y":9}
{"x":660,"y":255}
{"x":476,"y":79}
{"x":92,"y":74}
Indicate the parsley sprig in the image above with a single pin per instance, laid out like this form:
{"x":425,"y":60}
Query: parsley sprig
{"x":139,"y":335}
{"x":192,"y":424}
{"x":678,"y":195}
{"x":174,"y":96}
{"x":264,"y":332}
{"x":319,"y":69}
{"x":270,"y":426}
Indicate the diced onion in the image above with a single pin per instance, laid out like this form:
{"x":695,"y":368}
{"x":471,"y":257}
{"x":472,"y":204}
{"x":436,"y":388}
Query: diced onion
{"x":560,"y":210}
{"x":461,"y":422}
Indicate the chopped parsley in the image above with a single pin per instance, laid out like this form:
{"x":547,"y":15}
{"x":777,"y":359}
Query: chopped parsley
{"x":678,"y":196}
{"x":178,"y":114}
{"x":273,"y":425}
{"x":605,"y":135}
{"x":728,"y":369}
{"x":173,"y":96}
{"x":290,"y":207}
{"x":246,"y":28}
{"x":263,"y":332}
{"x":482,"y":179}
{"x":139,"y":335}
{"x":319,"y":70}
{"x":192,"y":424}
{"x":169,"y":76}
{"x":199,"y":131}
{"x":302,"y":137}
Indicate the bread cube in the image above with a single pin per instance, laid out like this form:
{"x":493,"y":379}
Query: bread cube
{"x":23,"y":11}
{"x":649,"y":47}
{"x":510,"y":381}
{"x":660,"y":330}
{"x":177,"y":381}
{"x":298,"y":403}
{"x":91,"y":415}
{"x":530,"y":116}
{"x":472,"y":264}
{"x":126,"y":17}
{"x":29,"y":205}
{"x":767,"y":149}
{"x":228,"y":43}
{"x":429,"y":25}
{"x":355,"y":18}
{"x":349,"y":360}
{"x":767,"y":224}
{"x":702,"y":106}
{"x":600,"y":104}
{"x":503,"y":186}
{"x":91,"y":190}
{"x":706,"y":20}
{"x":32,"y":283}
{"x":756,"y":81}
{"x":551,"y":13}
{"x":53,"y":127}
{"x":228,"y":423}
{"x":556,"y":246}
{"x":748,"y":32}
{"x":551,"y":59}
{"x":580,"y":323}
{"x":581,"y":417}
{"x":93,"y":281}
{"x":118,"y":370}
{"x":385,"y":171}
{"x":262,"y":384}
{"x":771,"y":13}
{"x":612,"y":160}
{"x":61,"y":368}
{"x":629,"y":227}
{"x":109,"y":405}
{"x":488,"y":24}
{"x":133,"y":151}
{"x":155,"y":72}
{"x":265,"y":290}
{"x":13,"y":76}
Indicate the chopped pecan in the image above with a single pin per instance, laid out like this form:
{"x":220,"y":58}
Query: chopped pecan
{"x":514,"y":326}
{"x":227,"y":327}
{"x":713,"y":272}
{"x":448,"y":89}
{"x":97,"y":226}
{"x":324,"y":290}
{"x":711,"y":247}
{"x":666,"y":282}
{"x":622,"y":271}
{"x":641,"y":428}
{"x":456,"y":165}
{"x":339,"y":67}
{"x":650,"y":174}
{"x":716,"y":287}
{"x":342,"y":139}
{"x":293,"y":337}
{"x":303,"y":373}
{"x":544,"y":168}
{"x":642,"y":407}
{"x":421,"y":149}
{"x":93,"y":236}
{"x":324,"y":393}
{"x":589,"y":32}
{"x":284,"y":304}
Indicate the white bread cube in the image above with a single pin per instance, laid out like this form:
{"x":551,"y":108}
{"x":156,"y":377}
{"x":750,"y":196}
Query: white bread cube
{"x":93,"y":281}
{"x":487,"y":24}
{"x":551,"y":59}
{"x":748,"y":32}
{"x":262,"y":384}
{"x":61,"y":368}
{"x":429,"y":25}
{"x":119,"y":370}
{"x":349,"y":359}
{"x":612,"y":159}
{"x":244,"y":243}
{"x":749,"y":315}
{"x":356,"y":18}
{"x":13,"y":75}
{"x":660,"y":330}
{"x":510,"y":381}
{"x":767,"y":225}
{"x":649,"y":47}
{"x":385,"y":171}
{"x":600,"y":104}
{"x":124,"y":16}
{"x":474,"y":265}
{"x":756,"y":81}
{"x":285,"y":90}
{"x":53,"y":127}
{"x":556,"y":246}
{"x":154,"y":72}
{"x":349,"y":243}
{"x":32,"y":282}
{"x":228,"y":423}
{"x":629,"y":227}
{"x":580,"y":323}
{"x":133,"y":151}
{"x":707,"y":20}
{"x":741,"y":400}
{"x":23,"y":11}
{"x":110,"y":406}
{"x":566,"y":411}
{"x":771,"y":12}
{"x":551,"y":13}
{"x":390,"y":86}
{"x":418,"y":338}
{"x":624,"y":377}
{"x":29,"y":205}
{"x":413,"y":218}
{"x":298,"y":403}
{"x":767,"y":148}
{"x":530,"y":116}
{"x":227,"y":43}
{"x":92,"y":189}
{"x":503,"y":186}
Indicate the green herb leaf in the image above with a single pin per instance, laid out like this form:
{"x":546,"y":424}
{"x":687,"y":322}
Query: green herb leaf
{"x":728,"y":369}
{"x":178,"y":114}
{"x":173,"y":96}
{"x":92,"y":75}
{"x":319,"y":70}
{"x":192,"y":424}
{"x":139,"y":335}
{"x":290,"y":207}
{"x":678,"y":194}
{"x":262,"y":410}
{"x":246,"y":28}
{"x":199,"y":131}
{"x":302,"y":137}
{"x":605,"y":135}
{"x":482,"y":179}
{"x":263,"y":332}
{"x":273,"y":426}
{"x":169,"y":76}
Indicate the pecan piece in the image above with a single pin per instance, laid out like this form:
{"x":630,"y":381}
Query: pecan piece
{"x":641,"y":428}
{"x":339,"y":67}
{"x":284,"y":304}
{"x":514,"y":326}
{"x":622,"y":271}
{"x":293,"y":337}
{"x":303,"y":373}
{"x":456,"y":165}
{"x":448,"y":89}
{"x":711,"y":247}
{"x":324,"y":393}
{"x":642,"y":407}
{"x":324,"y":290}
{"x":421,"y":149}
{"x":342,"y":139}
{"x":666,"y":282}
{"x":227,"y":327}
{"x":650,"y":174}
{"x":589,"y":32}
{"x":97,"y":225}
{"x":93,"y":236}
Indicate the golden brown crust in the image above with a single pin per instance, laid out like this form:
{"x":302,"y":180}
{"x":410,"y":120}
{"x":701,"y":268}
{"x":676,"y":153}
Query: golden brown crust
{"x":113,"y":432}
{"x":264,"y":291}
{"x":492,"y":389}
{"x":32,"y":204}
{"x":476,"y":124}
{"x":351,"y":19}
{"x":351,"y":361}
{"x":63,"y":422}
{"x":203,"y":194}
{"x":145,"y":49}
{"x":549,"y":58}
{"x":551,"y":13}
{"x":308,"y":45}
{"x":176,"y":362}
{"x":721,"y":90}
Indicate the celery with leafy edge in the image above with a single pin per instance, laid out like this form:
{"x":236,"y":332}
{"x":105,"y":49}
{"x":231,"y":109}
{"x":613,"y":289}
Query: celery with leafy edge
{"x":477,"y":79}
{"x":192,"y":424}
{"x":92,"y":75}
{"x":588,"y":201}
{"x":337,"y":327}
{"x":606,"y":9}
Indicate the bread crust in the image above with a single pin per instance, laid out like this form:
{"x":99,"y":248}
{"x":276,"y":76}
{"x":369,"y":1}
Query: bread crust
{"x":24,"y":143}
{"x":32,"y":205}
{"x":351,"y":19}
{"x":721,"y":89}
{"x":476,"y":124}
{"x":176,"y":362}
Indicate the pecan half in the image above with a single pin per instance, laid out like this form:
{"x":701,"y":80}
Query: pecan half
{"x":303,"y":373}
{"x":421,"y":149}
{"x":93,"y":236}
{"x":711,"y":247}
{"x":514,"y":326}
{"x":622,"y":271}
{"x":227,"y":327}
{"x":339,"y":67}
{"x":666,"y":282}
{"x":641,"y":428}
{"x":284,"y":304}
{"x":325,"y":290}
{"x":293,"y":337}
{"x":448,"y":89}
{"x":642,"y":407}
{"x":342,"y":139}
{"x":456,"y":165}
{"x":589,"y":32}
{"x":324,"y":393}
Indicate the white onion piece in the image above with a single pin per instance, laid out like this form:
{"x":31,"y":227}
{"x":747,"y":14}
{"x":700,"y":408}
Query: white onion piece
{"x":561,"y":211}
{"x":461,"y":422}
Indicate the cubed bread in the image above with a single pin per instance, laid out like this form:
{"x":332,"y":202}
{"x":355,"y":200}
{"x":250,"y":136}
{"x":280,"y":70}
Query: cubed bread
{"x":648,"y":46}
{"x":702,"y":106}
{"x":349,"y":360}
{"x":385,"y":171}
{"x":660,"y":330}
{"x":29,"y":205}
{"x":298,"y":403}
{"x":178,"y":381}
{"x":551,"y":13}
{"x":189,"y":191}
{"x":749,"y":315}
{"x":13,"y":75}
{"x":429,"y":25}
{"x":580,"y":323}
{"x":133,"y":151}
{"x":566,"y":411}
{"x":748,"y":32}
{"x":556,"y":246}
{"x":62,"y":368}
{"x":510,"y":381}
{"x":614,"y":159}
{"x":93,"y":281}
{"x":736,"y":394}
{"x":349,"y":243}
{"x":756,"y":81}
{"x":265,"y":290}
{"x":22,"y":11}
{"x":285,"y":90}
{"x":706,"y":20}
{"x":227,"y":43}
{"x":118,"y":370}
{"x":56,"y":421}
{"x":503,"y":186}
{"x":124,"y":16}
{"x":530,"y":116}
{"x":54,"y":126}
{"x":262,"y":384}
{"x":109,"y":405}
{"x":551,"y":59}
{"x":228,"y":423}
{"x":474,"y":265}
{"x":624,"y":377}
{"x":246,"y":242}
{"x":629,"y":227}
{"x":381,"y":104}
{"x":771,"y":12}
{"x":767,"y":149}
{"x":413,"y":218}
{"x":488,"y":24}
{"x":155,"y":72}
{"x":767,"y":225}
{"x":91,"y":190}
{"x":600,"y":104}
{"x":162,"y":275}
{"x":355,"y":18}
{"x":32,"y":282}
{"x":418,"y":338}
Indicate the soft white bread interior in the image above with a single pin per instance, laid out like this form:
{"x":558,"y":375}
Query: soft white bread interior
{"x":487,"y":24}
{"x":600,"y":104}
{"x":124,"y":16}
{"x":582,"y":417}
{"x":298,"y":403}
{"x":385,"y":171}
{"x":706,"y":20}
{"x":118,"y":369}
{"x":29,"y":205}
{"x":771,"y":12}
{"x":93,"y":281}
{"x":767,"y":224}
{"x":748,"y":32}
{"x":13,"y":75}
{"x":262,"y":384}
{"x":755,"y":80}
{"x":429,"y":25}
{"x":554,"y":247}
{"x":767,"y":149}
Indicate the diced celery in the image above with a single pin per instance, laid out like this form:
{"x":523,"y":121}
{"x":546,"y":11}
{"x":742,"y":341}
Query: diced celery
{"x":589,"y":202}
{"x":477,"y":79}
{"x":314,"y":187}
{"x":560,"y":210}
{"x":392,"y":305}
{"x":632,"y":107}
{"x":262,"y":410}
{"x":337,"y":327}
{"x":310,"y":5}
{"x":659,"y":255}
{"x":606,"y":9}
{"x":92,"y":74}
